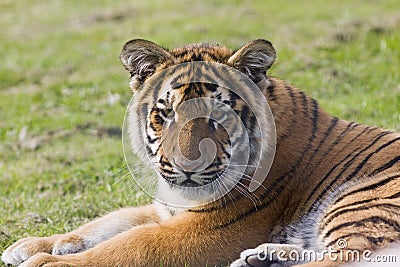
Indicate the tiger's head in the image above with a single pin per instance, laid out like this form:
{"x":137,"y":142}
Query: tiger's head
{"x":193,"y":115}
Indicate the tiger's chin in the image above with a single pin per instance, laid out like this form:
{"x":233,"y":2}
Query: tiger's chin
{"x":185,"y":196}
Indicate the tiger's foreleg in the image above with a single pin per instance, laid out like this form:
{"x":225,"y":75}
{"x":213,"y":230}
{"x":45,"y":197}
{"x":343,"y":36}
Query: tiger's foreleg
{"x":83,"y":238}
{"x":187,"y":239}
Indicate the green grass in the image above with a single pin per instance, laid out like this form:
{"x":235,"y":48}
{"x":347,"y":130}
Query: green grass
{"x":59,"y":141}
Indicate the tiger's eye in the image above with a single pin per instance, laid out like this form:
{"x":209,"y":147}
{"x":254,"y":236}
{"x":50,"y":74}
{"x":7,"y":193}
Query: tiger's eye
{"x":166,"y":113}
{"x":170,"y":113}
{"x":218,"y":114}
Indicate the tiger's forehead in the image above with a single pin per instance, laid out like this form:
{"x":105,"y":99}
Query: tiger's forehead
{"x":201,"y":52}
{"x":193,"y":91}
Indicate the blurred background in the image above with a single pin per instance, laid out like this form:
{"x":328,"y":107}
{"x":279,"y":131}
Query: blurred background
{"x":63,"y":91}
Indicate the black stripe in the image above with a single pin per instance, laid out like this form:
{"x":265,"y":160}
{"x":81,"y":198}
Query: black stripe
{"x":231,"y":83}
{"x":164,"y":112}
{"x":214,"y":57}
{"x":253,"y":124}
{"x":155,"y":87}
{"x":273,"y":196}
{"x":314,"y":120}
{"x":211,"y":87}
{"x":332,"y":125}
{"x":371,"y":239}
{"x":204,"y":210}
{"x":279,"y":184}
{"x":374,"y":219}
{"x":168,"y":179}
{"x":362,"y":164}
{"x":178,"y":82}
{"x":344,"y":168}
{"x":292,"y":96}
{"x":203,"y":52}
{"x":377,"y":241}
{"x":211,"y":74}
{"x":150,"y":140}
{"x":244,"y":113}
{"x":213,"y":206}
{"x":271,"y":91}
{"x":312,"y":208}
{"x":149,"y":151}
{"x":350,"y":126}
{"x":228,"y":156}
{"x":165,"y":171}
{"x":293,"y":111}
{"x":304,"y":103}
{"x":386,"y":166}
{"x":188,"y":89}
{"x":347,"y":210}
{"x":369,"y":187}
{"x":332,"y":243}
{"x":181,"y":53}
{"x":151,"y":125}
{"x":164,"y":161}
{"x":174,"y":82}
{"x":207,"y":174}
{"x":396,"y":195}
{"x":158,"y":119}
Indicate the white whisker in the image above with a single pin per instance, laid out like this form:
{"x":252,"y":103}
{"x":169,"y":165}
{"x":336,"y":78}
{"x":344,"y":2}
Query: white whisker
{"x":120,"y":179}
{"x":220,"y":190}
{"x":245,"y":177}
{"x":242,"y":188}
{"x":226,"y":188}
{"x":237,"y":165}
{"x":118,"y":171}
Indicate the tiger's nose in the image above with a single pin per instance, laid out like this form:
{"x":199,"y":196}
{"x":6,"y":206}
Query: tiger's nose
{"x":207,"y":152}
{"x":190,"y":166}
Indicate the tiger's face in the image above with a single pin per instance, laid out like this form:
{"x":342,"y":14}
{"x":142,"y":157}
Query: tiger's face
{"x":193,"y":129}
{"x":177,"y":125}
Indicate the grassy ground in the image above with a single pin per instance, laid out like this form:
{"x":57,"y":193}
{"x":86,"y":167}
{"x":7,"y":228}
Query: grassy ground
{"x":63,"y":91}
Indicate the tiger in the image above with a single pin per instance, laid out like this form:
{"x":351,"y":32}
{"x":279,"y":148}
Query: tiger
{"x":333,"y":184}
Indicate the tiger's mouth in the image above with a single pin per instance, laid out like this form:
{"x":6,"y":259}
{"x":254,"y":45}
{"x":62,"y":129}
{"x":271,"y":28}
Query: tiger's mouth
{"x":189,"y":183}
{"x":191,"y":179}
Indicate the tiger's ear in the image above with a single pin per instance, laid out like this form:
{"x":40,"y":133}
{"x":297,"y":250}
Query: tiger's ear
{"x":254,"y":58}
{"x":141,"y":57}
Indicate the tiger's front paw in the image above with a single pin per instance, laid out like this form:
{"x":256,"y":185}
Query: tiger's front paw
{"x":47,"y":260}
{"x":253,"y":258}
{"x":41,"y":260}
{"x":69,"y":244}
{"x":269,"y":255}
{"x":25,"y":248}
